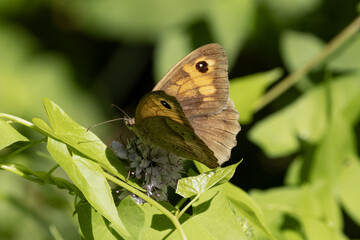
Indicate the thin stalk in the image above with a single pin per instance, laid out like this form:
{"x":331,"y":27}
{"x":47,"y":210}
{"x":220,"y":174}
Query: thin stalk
{"x":290,"y":80}
{"x":172,"y":218}
{"x":180,"y":203}
{"x":17,"y":120}
{"x":178,"y":216}
{"x":18,"y":151}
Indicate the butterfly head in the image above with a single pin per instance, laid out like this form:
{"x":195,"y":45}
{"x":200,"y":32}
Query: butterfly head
{"x":129,"y":121}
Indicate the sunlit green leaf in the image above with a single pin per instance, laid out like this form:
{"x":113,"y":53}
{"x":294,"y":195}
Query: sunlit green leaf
{"x":135,"y":20}
{"x":244,"y":204}
{"x":297,"y":49}
{"x":170,"y":49}
{"x":348,"y":57}
{"x":231,"y":22}
{"x":247,"y":91}
{"x":8,"y":134}
{"x":68,"y":131}
{"x":348,"y":188}
{"x":213,"y":218}
{"x":293,"y":174}
{"x":88,"y":176}
{"x":157,"y":225}
{"x":190,"y":186}
{"x":92,"y":224}
{"x":337,"y":145}
{"x":306,"y":118}
{"x":285,"y":12}
{"x":132,"y":216}
{"x":289,"y":209}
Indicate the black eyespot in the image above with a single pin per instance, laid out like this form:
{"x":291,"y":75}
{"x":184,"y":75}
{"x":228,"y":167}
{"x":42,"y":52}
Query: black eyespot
{"x":202,"y":66}
{"x":165,"y":104}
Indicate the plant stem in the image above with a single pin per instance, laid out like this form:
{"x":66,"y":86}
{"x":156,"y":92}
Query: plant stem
{"x":172,"y":218}
{"x":180,"y":203}
{"x":178,"y":216}
{"x":13,"y":169}
{"x":17,"y":120}
{"x":18,"y":151}
{"x":290,"y":80}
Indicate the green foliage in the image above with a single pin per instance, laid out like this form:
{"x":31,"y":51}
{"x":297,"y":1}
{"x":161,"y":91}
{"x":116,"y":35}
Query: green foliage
{"x":192,"y":186}
{"x":12,"y":135}
{"x":84,"y":157}
{"x":246,"y":92}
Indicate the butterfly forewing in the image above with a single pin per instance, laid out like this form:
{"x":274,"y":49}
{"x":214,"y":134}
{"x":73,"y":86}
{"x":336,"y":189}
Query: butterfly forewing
{"x":199,"y":81}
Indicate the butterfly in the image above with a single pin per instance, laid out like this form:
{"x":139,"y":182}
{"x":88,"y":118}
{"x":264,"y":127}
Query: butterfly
{"x":189,"y":112}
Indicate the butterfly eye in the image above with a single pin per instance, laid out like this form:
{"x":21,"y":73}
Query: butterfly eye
{"x":165,"y":104}
{"x":202,"y":66}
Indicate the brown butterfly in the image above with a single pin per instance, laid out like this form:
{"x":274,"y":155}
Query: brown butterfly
{"x":189,"y":112}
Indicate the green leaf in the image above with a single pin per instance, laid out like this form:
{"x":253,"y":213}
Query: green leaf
{"x":71,"y":133}
{"x":297,"y":49}
{"x":132,"y":216}
{"x":92,"y":224}
{"x":191,"y":186}
{"x":294,"y":171}
{"x":338,"y":144}
{"x":306,"y":118}
{"x":135,"y":20}
{"x":244,"y":204}
{"x":348,"y":188}
{"x":347,"y":57}
{"x":170,"y":49}
{"x":247,"y":91}
{"x":328,"y":159}
{"x":285,"y":12}
{"x":213,"y":218}
{"x":231,"y":22}
{"x":290,"y":209}
{"x":88,"y":176}
{"x":157,"y":225}
{"x":9,"y":135}
{"x":95,"y":227}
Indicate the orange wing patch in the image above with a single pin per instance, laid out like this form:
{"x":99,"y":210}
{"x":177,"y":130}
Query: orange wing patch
{"x":207,"y":90}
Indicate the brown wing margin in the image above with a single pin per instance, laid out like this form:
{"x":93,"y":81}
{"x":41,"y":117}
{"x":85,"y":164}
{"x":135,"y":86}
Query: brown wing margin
{"x":218,"y":131}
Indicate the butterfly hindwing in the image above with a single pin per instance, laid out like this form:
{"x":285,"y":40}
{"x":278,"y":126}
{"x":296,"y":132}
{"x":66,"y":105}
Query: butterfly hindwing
{"x":218,"y":131}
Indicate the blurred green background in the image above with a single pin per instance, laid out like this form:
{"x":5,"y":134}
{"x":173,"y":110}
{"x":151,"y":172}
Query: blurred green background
{"x":87,"y":55}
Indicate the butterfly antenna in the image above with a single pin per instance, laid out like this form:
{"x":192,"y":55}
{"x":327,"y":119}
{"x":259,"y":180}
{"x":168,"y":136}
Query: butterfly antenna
{"x":98,"y":124}
{"x":113,"y":105}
